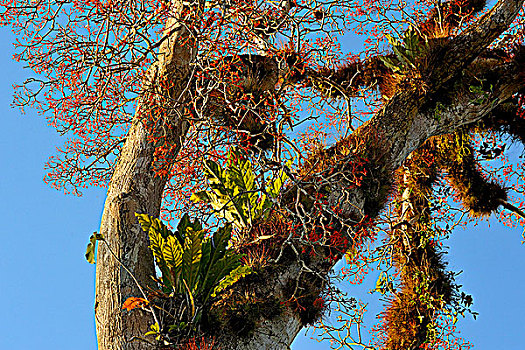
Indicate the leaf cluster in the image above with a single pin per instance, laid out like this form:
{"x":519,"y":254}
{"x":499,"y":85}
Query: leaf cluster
{"x":407,"y":51}
{"x":235,"y":195}
{"x":194,"y":267}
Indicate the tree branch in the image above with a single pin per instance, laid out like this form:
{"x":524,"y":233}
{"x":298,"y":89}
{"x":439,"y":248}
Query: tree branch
{"x":386,"y":141}
{"x":461,"y":50}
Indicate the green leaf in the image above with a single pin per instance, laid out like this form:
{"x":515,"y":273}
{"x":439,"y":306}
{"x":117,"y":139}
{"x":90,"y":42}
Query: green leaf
{"x":234,"y":194}
{"x":401,"y":55}
{"x":184,"y":223}
{"x":406,"y":51}
{"x":226,"y":185}
{"x":240,"y":174}
{"x":217,"y":245}
{"x":221,"y":238}
{"x":177,"y":327}
{"x":191,"y":256}
{"x":391,"y":40}
{"x":201,"y":196}
{"x":234,"y":276}
{"x":276,"y":184}
{"x":158,"y":233}
{"x":248,"y":176}
{"x":389,"y":63}
{"x":156,"y":242}
{"x":214,"y":173}
{"x":411,"y":40}
{"x":221,"y":269}
{"x":155,"y":330}
{"x":172,"y":252}
{"x":147,"y":222}
{"x":144,"y":221}
{"x":205,"y":260}
{"x":90,"y":250}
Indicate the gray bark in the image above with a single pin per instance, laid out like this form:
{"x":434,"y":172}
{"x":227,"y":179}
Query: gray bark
{"x":135,"y":188}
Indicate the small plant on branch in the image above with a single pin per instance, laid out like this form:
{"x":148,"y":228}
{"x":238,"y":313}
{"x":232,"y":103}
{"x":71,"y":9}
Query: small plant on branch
{"x":194,"y":268}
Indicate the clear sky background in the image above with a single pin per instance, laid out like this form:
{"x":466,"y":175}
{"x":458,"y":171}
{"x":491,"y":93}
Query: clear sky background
{"x":47,"y":287}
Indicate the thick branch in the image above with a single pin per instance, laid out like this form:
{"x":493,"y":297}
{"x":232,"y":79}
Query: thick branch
{"x":388,"y":138}
{"x":460,"y":51}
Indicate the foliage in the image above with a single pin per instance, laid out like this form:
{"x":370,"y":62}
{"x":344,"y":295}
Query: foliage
{"x":90,"y":250}
{"x":193,"y":265}
{"x":265,"y":78}
{"x":234,"y":193}
{"x":407,"y":51}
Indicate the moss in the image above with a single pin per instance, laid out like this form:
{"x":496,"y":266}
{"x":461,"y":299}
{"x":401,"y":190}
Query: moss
{"x":479,"y":195}
{"x":425,"y":287}
{"x":444,"y":18}
{"x":304,"y":297}
{"x":240,"y":309}
{"x":505,"y":119}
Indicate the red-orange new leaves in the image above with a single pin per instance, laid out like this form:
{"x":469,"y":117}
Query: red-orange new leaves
{"x":88,"y":57}
{"x":132,"y":303}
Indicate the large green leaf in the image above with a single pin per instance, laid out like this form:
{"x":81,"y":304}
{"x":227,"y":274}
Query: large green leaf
{"x":184,"y":223}
{"x":225,"y":198}
{"x":197,"y":268}
{"x":156,"y":241}
{"x":219,"y":270}
{"x":214,"y":174}
{"x":234,"y":195}
{"x":172,"y":252}
{"x":247,"y":175}
{"x":221,"y":239}
{"x":156,"y":244}
{"x":191,"y":257}
{"x":401,"y":55}
{"x":201,"y":196}
{"x":274,"y":186}
{"x":217,"y":245}
{"x":157,"y":233}
{"x":240,"y":174}
{"x":207,"y":246}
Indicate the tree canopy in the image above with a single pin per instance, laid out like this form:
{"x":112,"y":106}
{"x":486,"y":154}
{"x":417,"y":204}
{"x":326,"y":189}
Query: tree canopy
{"x":273,"y":139}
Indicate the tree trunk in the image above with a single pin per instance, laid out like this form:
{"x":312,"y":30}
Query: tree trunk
{"x":133,"y":188}
{"x":136,"y":188}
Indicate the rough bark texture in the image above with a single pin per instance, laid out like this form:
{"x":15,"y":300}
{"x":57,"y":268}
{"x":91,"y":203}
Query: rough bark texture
{"x":135,"y":187}
{"x":402,"y":126}
{"x":459,"y":52}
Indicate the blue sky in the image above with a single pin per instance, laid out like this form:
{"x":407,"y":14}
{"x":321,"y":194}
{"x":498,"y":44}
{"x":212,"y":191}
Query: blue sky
{"x":47,"y":287}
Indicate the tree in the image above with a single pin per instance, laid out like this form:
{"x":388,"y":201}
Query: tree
{"x":221,"y":92}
